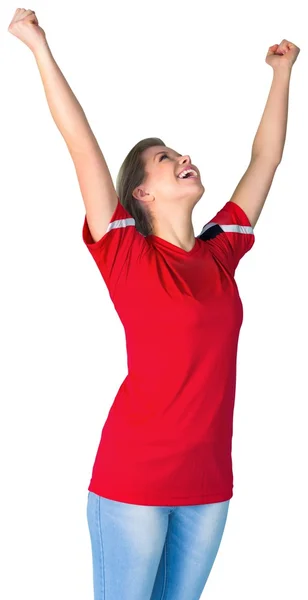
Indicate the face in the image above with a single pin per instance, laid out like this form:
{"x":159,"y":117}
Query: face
{"x":162,"y":185}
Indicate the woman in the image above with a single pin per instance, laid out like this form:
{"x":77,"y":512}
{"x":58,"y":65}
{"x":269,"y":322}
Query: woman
{"x":162,"y":478}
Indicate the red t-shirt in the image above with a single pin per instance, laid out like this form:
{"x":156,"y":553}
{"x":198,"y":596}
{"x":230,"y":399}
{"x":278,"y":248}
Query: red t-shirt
{"x":168,"y":435}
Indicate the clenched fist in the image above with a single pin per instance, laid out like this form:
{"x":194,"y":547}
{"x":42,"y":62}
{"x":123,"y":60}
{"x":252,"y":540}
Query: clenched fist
{"x":25,"y":27}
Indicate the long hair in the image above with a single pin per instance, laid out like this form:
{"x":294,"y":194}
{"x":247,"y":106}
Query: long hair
{"x":131,"y":174}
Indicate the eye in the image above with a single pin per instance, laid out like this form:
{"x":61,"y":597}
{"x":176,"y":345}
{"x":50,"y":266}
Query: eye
{"x":162,"y":156}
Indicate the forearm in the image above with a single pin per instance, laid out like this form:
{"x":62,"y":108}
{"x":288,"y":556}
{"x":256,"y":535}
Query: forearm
{"x":65,"y":109}
{"x":271,"y":134}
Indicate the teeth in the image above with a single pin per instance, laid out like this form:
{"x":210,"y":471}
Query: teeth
{"x":185,"y":173}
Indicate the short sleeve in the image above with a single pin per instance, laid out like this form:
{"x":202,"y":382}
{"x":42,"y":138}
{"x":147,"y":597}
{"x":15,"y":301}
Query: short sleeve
{"x":229,"y":235}
{"x":118,"y":249}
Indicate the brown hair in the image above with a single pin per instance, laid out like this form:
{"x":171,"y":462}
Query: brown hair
{"x":131,"y":174}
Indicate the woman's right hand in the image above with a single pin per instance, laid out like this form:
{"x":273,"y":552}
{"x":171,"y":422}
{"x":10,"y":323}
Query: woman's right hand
{"x":25,"y":27}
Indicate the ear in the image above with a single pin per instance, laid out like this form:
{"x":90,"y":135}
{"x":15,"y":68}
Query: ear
{"x":139,"y":193}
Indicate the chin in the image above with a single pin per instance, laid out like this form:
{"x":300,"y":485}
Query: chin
{"x":200,"y":193}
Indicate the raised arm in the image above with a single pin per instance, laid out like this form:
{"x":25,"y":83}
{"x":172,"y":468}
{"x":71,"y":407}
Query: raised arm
{"x":95,"y":182}
{"x":267,"y":149}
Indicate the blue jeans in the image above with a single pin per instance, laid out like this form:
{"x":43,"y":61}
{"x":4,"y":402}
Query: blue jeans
{"x":153,"y":552}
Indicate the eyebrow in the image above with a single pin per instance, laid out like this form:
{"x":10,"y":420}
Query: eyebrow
{"x":165,"y":152}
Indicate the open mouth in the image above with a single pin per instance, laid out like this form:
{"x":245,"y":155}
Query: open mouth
{"x":189,"y":174}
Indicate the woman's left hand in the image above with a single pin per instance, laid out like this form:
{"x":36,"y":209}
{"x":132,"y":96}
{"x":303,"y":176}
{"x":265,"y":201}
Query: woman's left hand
{"x":282,"y":55}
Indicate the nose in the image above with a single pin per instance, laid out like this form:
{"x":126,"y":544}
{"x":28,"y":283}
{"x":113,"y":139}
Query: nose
{"x":185,"y":159}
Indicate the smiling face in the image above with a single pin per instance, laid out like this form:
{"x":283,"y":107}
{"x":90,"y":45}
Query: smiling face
{"x":162,"y":185}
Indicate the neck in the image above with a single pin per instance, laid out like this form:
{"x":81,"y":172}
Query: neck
{"x":180,"y":232}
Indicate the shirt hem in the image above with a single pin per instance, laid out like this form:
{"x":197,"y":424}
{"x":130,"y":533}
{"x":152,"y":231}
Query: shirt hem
{"x":162,"y":500}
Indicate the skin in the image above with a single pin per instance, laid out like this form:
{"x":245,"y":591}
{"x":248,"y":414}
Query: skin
{"x":169,"y":199}
{"x":169,"y":203}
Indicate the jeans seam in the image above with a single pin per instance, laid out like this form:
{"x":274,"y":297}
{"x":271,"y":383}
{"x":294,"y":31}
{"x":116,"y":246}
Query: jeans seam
{"x":102,"y":561}
{"x":164,"y":587}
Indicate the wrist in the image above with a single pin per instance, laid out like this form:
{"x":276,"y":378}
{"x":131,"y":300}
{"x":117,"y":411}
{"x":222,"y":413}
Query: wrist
{"x":283,"y":70}
{"x":41,"y":48}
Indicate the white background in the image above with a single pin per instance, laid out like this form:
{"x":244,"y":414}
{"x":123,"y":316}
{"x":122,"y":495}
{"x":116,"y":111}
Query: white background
{"x":194,"y":75}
